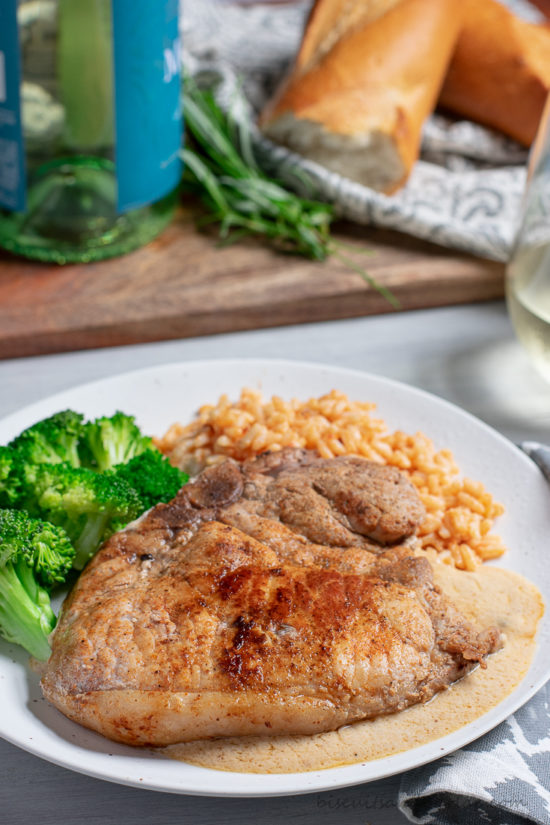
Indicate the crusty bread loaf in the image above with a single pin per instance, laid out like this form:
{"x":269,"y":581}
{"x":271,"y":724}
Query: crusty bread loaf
{"x":357,"y":105}
{"x":500,"y":71}
{"x":329,"y":21}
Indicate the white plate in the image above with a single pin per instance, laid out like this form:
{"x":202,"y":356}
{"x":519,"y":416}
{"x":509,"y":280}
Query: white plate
{"x":161,"y":395}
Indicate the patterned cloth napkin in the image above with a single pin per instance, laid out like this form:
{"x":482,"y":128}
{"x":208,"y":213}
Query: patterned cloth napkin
{"x":464,"y":192}
{"x":503,"y":778}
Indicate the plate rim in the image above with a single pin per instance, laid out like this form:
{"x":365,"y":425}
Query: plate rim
{"x":282,"y":784}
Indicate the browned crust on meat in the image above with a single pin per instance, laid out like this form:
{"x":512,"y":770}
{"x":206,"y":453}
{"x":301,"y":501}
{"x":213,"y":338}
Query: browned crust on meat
{"x":185,"y":627}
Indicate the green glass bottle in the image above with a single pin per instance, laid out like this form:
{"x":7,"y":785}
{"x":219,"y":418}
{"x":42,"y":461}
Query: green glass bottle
{"x":91,"y":132}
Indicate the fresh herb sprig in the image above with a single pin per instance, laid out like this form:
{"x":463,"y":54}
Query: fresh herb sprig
{"x":221,"y":169}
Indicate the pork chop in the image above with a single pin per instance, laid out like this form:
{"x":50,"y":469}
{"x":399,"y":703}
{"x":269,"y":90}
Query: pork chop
{"x":212,"y":617}
{"x":343,"y":502}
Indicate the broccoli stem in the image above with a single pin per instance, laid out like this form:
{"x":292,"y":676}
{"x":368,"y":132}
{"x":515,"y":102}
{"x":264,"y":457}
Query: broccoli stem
{"x":26,"y":616}
{"x":90,"y":538}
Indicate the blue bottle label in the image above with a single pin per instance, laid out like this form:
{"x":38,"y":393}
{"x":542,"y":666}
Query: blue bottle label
{"x":147,"y":103}
{"x":148,"y":121}
{"x":12,"y":154}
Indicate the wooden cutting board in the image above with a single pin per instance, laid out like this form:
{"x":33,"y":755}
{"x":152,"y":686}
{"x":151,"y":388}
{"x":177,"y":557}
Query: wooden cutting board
{"x":184,"y":285}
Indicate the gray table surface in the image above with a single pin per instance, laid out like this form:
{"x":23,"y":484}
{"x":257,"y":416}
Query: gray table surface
{"x":467,"y":355}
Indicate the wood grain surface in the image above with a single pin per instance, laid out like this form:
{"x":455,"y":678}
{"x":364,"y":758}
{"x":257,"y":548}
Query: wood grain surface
{"x":184,"y":285}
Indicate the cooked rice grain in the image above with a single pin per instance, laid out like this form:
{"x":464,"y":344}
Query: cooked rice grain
{"x":459,"y":512}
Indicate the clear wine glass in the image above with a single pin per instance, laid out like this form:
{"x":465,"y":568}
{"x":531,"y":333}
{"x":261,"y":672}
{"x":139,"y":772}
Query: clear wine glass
{"x":528,"y":271}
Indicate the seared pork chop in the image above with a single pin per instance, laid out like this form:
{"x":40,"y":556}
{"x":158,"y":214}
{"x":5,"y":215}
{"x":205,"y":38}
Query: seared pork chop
{"x":212,"y":617}
{"x":342,"y":502}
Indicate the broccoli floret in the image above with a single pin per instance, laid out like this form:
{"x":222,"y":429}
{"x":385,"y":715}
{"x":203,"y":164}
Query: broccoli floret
{"x":152,"y":476}
{"x":113,"y":440}
{"x":52,"y":440}
{"x":33,"y":557}
{"x":45,"y":547}
{"x":90,"y":506}
{"x":9,"y":477}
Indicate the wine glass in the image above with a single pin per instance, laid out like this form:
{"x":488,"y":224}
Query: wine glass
{"x":528,"y":271}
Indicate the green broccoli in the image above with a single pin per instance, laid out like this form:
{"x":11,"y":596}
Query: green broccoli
{"x":34,"y":556}
{"x":52,"y":440}
{"x":10,"y":482}
{"x":108,"y":441}
{"x":61,"y":470}
{"x":48,"y":548}
{"x":90,"y":506}
{"x":152,"y":476}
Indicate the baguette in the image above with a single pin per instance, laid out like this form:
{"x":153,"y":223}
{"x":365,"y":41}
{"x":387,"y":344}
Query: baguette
{"x":330,"y":21}
{"x":500,"y":71}
{"x":357,"y":105}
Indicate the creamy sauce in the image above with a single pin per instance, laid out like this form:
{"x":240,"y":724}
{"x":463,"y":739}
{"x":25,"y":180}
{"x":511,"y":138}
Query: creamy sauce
{"x":489,"y":596}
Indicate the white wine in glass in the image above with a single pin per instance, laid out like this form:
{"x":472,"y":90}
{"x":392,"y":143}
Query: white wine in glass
{"x":528,"y":271}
